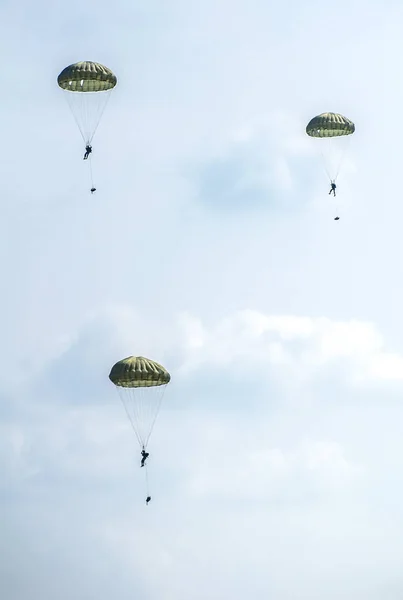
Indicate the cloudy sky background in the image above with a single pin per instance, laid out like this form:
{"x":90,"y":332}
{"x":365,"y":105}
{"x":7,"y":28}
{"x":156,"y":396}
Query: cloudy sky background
{"x":276,"y":462}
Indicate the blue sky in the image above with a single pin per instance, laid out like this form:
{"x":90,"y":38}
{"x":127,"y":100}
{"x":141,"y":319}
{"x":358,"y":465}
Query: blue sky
{"x":209,"y":246}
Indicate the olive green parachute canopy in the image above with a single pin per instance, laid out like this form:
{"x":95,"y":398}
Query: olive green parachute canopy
{"x":329,"y":125}
{"x":141,"y":383}
{"x":87,"y":76}
{"x":137,"y":371}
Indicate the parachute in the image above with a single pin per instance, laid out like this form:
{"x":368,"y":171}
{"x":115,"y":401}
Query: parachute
{"x":88,"y":86}
{"x":141,"y":384}
{"x":327,"y":127}
{"x":332,"y":129}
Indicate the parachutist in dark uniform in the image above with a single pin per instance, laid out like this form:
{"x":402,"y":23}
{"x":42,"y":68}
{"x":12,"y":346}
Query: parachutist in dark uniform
{"x":144,"y":455}
{"x":88,"y":150}
{"x":148,"y":499}
{"x":332,"y":188}
{"x":93,"y":190}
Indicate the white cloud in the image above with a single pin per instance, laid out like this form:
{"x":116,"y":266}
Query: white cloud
{"x":214,"y":374}
{"x":255,"y":166}
{"x":386,"y":366}
{"x":300,"y":345}
{"x":259,"y":471}
{"x":256,"y":480}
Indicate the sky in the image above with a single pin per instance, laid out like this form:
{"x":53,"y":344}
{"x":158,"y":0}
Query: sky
{"x":276,"y":460}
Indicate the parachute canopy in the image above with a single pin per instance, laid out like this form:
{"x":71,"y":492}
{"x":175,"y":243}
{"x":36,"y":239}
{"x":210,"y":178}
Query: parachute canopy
{"x":329,"y":125}
{"x":141,"y":383}
{"x":86,"y":76}
{"x":137,"y":371}
{"x":88,"y":86}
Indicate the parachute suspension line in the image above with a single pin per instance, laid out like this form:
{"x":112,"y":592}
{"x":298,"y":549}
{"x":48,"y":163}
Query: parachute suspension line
{"x":324,"y":165}
{"x":142,"y":406}
{"x":91,"y":173}
{"x":70,"y":101}
{"x":155,"y":417}
{"x":130,"y":418}
{"x":342,"y":157}
{"x":87,"y":112}
{"x":101,"y":111}
{"x":147,"y":481}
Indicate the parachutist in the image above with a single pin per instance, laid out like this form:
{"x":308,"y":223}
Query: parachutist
{"x":93,"y":190}
{"x":332,"y":188}
{"x":141,"y":383}
{"x":88,"y":150}
{"x":144,"y":455}
{"x":148,"y":500}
